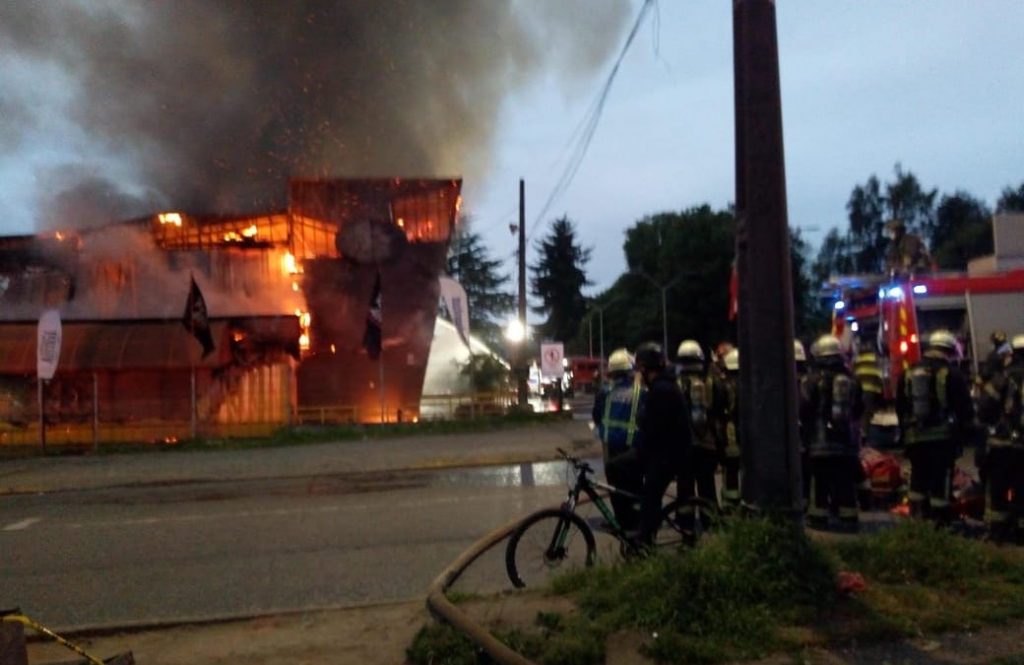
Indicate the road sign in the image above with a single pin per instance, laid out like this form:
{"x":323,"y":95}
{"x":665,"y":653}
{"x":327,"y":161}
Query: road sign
{"x":551,"y":354}
{"x":48,"y":344}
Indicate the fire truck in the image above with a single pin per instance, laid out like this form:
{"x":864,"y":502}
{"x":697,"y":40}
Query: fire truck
{"x":896,"y":315}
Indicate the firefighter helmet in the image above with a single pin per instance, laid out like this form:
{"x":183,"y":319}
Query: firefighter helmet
{"x":649,"y":356}
{"x":620,"y":361}
{"x":732,"y":360}
{"x":998,"y":338}
{"x":1017,"y":343}
{"x":942,"y":340}
{"x":798,"y":351}
{"x":690,"y":351}
{"x":826,"y":346}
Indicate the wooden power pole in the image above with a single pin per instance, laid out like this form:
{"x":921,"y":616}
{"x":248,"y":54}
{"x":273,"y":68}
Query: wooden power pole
{"x":768,"y":396}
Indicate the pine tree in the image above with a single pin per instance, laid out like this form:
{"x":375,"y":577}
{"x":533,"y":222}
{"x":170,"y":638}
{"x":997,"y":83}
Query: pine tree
{"x":470,"y":265}
{"x":558,"y":280}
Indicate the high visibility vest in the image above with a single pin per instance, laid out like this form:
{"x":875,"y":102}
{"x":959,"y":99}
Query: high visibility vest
{"x":619,"y":430}
{"x":867,"y":372}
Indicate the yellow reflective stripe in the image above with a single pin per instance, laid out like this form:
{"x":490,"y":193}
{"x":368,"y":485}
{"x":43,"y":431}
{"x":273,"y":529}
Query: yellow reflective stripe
{"x":631,"y":427}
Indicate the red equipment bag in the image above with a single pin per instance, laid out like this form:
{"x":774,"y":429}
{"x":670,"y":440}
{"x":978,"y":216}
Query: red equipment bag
{"x":881,"y":470}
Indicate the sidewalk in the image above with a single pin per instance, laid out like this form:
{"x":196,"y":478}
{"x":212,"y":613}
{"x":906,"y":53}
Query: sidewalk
{"x":506,"y":446}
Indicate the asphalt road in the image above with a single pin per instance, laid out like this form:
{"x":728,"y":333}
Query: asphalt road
{"x":185,"y":551}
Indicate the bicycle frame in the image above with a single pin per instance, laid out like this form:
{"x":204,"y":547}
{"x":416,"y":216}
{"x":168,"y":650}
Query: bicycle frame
{"x":591,"y":487}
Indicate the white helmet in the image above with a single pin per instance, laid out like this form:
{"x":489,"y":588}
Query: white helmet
{"x":620,"y":361}
{"x":798,"y":351}
{"x":732,"y":360}
{"x":943,"y":340}
{"x":826,"y":346}
{"x":689,"y":350}
{"x":1017,"y":343}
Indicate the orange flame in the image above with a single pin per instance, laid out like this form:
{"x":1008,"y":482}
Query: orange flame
{"x":172,"y":218}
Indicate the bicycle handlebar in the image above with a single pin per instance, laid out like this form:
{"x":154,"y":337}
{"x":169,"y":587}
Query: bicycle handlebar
{"x":575,"y":461}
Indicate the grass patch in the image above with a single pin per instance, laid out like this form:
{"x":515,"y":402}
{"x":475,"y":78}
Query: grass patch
{"x":440,"y":644}
{"x":759,"y":587}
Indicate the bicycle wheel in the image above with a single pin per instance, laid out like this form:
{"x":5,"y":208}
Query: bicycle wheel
{"x":548,"y":543}
{"x":690,"y":518}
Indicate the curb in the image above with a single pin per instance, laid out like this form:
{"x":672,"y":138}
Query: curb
{"x":439,"y":464}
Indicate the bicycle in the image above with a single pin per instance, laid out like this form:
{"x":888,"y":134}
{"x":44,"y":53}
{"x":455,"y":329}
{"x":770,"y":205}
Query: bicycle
{"x":548,"y":540}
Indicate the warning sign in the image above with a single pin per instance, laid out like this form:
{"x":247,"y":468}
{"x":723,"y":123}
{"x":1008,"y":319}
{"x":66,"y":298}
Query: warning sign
{"x":551,"y":354}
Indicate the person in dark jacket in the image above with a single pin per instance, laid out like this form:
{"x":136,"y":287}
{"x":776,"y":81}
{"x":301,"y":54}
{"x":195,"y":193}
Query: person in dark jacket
{"x":936,"y":414}
{"x":698,"y":388}
{"x":665,"y":422}
{"x":830,"y":408}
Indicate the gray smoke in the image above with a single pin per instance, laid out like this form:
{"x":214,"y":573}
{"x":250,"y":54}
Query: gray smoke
{"x":212,"y":106}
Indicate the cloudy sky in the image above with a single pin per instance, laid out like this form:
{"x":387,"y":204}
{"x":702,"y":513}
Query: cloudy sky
{"x":114,"y":108}
{"x":937,"y":86}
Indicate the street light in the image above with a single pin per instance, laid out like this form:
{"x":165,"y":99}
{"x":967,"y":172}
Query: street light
{"x":600,"y":323}
{"x":664,"y":307}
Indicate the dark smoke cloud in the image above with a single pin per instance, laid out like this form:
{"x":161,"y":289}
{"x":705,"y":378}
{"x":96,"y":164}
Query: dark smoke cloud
{"x":73,"y":196}
{"x":215,"y":104}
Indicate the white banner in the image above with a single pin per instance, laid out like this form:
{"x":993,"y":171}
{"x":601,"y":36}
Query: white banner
{"x":455,"y":302}
{"x":551,"y":354}
{"x":48,"y":341}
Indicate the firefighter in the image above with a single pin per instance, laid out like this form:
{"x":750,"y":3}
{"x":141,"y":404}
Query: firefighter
{"x":907,"y":253}
{"x":800,"y":357}
{"x":698,"y":478}
{"x":998,"y":403}
{"x":665,"y":423}
{"x":868,"y":373}
{"x":935,"y":411}
{"x":727,"y":425}
{"x":998,"y":357}
{"x":1015,"y":463}
{"x":830,"y":408}
{"x":616,"y":416}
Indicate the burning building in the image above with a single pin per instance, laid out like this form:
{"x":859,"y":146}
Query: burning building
{"x":287,"y":295}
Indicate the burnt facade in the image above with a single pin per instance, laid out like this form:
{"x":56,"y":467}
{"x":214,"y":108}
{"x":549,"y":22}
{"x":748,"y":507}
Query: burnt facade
{"x":287,"y":294}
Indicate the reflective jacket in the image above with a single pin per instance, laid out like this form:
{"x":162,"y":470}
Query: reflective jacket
{"x":830,"y":405}
{"x":933,"y":402}
{"x":616,"y":415}
{"x":698,"y":389}
{"x":727,"y":414}
{"x":868,"y":373}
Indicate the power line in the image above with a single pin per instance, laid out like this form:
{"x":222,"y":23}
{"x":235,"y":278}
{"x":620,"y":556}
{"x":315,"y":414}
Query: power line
{"x":584,"y":132}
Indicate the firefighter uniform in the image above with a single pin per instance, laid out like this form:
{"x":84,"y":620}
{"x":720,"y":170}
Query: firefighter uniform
{"x":997,"y":408}
{"x":935,"y":411}
{"x":868,"y":373}
{"x":616,"y":418}
{"x":1013,"y":472}
{"x":726,"y":416}
{"x":830,"y":407}
{"x":800,"y":357}
{"x":698,"y":477}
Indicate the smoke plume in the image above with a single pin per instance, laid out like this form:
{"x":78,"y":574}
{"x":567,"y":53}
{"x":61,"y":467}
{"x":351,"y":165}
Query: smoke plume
{"x":210,"y":106}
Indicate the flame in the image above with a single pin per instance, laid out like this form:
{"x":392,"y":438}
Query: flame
{"x":401,"y":223}
{"x":238,"y":337}
{"x":332,"y":348}
{"x":250,"y":232}
{"x":173,"y":218}
{"x":458,"y":203}
{"x":304,"y":342}
{"x":304,"y":320}
{"x":59,"y":235}
{"x":295,"y":287}
{"x":289,"y":265}
{"x":232,"y":236}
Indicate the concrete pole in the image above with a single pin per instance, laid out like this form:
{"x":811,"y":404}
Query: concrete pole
{"x":664,"y":322}
{"x":768,"y":399}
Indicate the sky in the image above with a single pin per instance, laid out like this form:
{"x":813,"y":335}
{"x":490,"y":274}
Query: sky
{"x":937,"y":86}
{"x":103,"y":99}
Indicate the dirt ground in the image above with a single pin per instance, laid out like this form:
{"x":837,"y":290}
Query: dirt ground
{"x":381,"y":634}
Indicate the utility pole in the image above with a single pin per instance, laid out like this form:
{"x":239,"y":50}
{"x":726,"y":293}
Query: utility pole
{"x":521,"y":369}
{"x":768,"y":400}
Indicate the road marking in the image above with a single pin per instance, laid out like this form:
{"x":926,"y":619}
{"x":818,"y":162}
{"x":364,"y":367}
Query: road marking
{"x":23,"y":524}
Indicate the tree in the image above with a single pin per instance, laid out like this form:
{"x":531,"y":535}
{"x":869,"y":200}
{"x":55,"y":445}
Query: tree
{"x":558,"y":280}
{"x":695,"y":247}
{"x":470,"y":265}
{"x":866,"y":238}
{"x":835,"y":257}
{"x":1011,"y":200}
{"x":906,"y":200}
{"x":962,"y":231}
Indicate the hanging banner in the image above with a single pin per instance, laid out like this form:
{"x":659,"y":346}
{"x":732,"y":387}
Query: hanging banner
{"x":551,"y":354}
{"x":454,"y":297}
{"x":48,"y":341}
